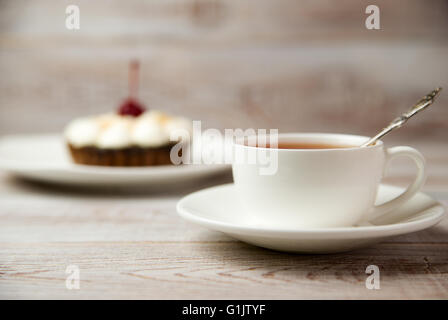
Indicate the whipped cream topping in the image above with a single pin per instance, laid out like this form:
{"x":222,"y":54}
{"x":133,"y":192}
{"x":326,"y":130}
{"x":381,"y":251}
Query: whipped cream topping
{"x":111,"y":131}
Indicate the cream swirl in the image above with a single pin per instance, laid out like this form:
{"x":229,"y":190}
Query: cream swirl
{"x":111,"y":131}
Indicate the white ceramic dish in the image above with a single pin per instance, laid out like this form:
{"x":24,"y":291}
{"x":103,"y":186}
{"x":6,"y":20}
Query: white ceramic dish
{"x":217,"y":208}
{"x":45,"y":158}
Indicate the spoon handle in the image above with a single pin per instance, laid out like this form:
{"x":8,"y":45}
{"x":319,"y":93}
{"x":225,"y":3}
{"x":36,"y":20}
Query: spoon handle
{"x":399,"y":121}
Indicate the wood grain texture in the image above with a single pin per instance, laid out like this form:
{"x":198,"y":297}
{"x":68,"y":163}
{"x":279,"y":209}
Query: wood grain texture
{"x":219,"y":270}
{"x":295,"y":65}
{"x":286,"y":64}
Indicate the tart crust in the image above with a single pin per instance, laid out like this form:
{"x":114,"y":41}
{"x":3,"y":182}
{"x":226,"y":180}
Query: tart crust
{"x":126,"y":157}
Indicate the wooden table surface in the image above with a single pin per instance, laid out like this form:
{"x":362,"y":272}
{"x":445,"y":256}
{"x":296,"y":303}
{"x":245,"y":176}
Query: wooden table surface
{"x":294,"y":65}
{"x":130,"y":243}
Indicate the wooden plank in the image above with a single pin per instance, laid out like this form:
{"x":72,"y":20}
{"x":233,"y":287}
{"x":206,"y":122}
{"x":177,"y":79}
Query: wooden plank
{"x":232,"y":21}
{"x":330,"y":89}
{"x":123,"y":220}
{"x":144,"y":270}
{"x":296,"y":66}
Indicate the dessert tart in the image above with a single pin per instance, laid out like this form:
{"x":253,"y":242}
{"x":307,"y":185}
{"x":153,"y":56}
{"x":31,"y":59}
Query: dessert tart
{"x":123,"y":140}
{"x":131,"y":137}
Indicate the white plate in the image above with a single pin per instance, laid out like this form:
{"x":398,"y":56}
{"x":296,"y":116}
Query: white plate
{"x":45,"y":158}
{"x":217,"y":208}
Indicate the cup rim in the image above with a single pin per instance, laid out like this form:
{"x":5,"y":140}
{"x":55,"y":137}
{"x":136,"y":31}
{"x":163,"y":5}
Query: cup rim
{"x":335,"y":136}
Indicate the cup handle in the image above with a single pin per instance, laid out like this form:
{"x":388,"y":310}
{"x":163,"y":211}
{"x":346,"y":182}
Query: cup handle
{"x":420,"y":178}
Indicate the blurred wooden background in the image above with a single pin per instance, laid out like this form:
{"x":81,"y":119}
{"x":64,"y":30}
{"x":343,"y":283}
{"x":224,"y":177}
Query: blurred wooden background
{"x":287,"y":64}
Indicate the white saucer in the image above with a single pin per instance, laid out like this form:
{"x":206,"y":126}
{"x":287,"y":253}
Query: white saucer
{"x":45,"y":158}
{"x":217,"y":208}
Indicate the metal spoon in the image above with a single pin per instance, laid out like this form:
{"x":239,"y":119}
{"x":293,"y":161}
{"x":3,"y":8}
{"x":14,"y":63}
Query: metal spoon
{"x":401,"y":120}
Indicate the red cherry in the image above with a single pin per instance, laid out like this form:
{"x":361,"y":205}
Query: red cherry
{"x":131,"y":107}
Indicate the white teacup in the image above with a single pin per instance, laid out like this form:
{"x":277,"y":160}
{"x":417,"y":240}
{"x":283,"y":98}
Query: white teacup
{"x":320,"y":188}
